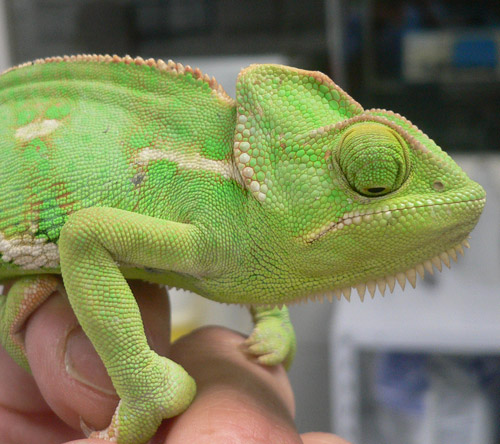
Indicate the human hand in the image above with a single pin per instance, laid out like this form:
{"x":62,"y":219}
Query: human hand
{"x":238,"y":401}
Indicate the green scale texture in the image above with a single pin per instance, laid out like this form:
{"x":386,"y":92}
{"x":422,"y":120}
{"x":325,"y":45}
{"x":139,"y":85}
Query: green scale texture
{"x":117,"y":168}
{"x":91,"y":159}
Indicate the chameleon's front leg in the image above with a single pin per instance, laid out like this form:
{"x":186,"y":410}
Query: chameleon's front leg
{"x":273,"y":337}
{"x":150,"y":387}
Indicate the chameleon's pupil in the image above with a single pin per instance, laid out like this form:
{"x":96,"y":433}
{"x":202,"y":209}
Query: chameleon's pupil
{"x":376,"y":190}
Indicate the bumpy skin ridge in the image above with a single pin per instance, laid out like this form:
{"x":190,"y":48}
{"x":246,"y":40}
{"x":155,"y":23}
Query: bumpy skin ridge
{"x":169,"y":66}
{"x":116,"y":168}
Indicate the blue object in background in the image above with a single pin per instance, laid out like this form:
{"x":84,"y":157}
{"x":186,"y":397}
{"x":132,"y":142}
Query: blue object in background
{"x":475,"y":52}
{"x":401,"y":381}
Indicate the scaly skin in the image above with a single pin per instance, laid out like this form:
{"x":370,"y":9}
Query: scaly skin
{"x":123,"y":168}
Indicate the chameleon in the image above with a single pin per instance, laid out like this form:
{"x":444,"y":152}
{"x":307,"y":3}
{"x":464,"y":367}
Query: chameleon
{"x":117,"y":168}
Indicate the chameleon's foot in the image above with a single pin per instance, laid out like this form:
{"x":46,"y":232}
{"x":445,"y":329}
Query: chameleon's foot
{"x":138,"y":416}
{"x":273,"y":338}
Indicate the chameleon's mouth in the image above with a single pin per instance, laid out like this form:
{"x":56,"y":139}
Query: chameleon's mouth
{"x":389,"y":282}
{"x":472,"y":207}
{"x":386,"y":212}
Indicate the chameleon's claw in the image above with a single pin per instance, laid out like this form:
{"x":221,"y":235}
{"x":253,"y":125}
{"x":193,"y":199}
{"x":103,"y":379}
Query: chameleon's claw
{"x":265,"y":354}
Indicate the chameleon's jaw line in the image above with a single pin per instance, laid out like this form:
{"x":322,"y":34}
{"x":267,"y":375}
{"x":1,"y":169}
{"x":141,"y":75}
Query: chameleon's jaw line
{"x":389,"y":282}
{"x":386,"y":212}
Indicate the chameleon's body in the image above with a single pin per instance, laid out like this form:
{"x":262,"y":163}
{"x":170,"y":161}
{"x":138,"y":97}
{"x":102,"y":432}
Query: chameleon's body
{"x":116,"y":168}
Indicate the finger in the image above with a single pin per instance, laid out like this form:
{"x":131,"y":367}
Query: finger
{"x":68,"y":371}
{"x":322,"y":438}
{"x":24,"y":414}
{"x":238,"y":400}
{"x":18,"y":390}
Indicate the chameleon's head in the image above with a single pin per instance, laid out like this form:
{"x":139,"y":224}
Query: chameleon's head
{"x":364,"y":197}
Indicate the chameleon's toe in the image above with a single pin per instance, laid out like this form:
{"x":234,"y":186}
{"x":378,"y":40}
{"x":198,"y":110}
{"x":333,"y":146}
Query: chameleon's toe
{"x":139,"y":415}
{"x":272,"y":342}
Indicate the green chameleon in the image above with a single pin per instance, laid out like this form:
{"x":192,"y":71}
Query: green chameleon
{"x":116,"y":168}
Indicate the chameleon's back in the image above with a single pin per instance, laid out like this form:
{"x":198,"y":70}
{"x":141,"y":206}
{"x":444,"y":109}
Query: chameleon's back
{"x":103,"y":131}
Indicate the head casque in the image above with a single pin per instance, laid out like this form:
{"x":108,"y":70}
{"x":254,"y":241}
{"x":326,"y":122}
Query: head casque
{"x":365,"y":197}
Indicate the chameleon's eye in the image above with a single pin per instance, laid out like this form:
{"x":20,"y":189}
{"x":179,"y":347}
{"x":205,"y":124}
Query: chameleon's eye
{"x":373,"y":158}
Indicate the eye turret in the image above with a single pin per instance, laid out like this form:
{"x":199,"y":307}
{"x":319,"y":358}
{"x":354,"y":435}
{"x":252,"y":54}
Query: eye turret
{"x":373,"y":158}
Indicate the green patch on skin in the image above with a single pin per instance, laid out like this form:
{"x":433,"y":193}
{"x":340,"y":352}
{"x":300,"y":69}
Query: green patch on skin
{"x":58,"y":111}
{"x":16,"y":224}
{"x":161,"y":171}
{"x":51,"y":216}
{"x":143,"y":138}
{"x":35,"y":155}
{"x":25,"y":116}
{"x":212,"y":149}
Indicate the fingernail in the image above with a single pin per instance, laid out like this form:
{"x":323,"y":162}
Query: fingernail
{"x":83,"y":363}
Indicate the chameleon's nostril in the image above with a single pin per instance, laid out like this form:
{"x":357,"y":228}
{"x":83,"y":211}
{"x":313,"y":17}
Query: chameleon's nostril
{"x":438,"y":185}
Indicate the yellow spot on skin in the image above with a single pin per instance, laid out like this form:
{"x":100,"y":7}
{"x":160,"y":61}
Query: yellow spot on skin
{"x":37,"y":129}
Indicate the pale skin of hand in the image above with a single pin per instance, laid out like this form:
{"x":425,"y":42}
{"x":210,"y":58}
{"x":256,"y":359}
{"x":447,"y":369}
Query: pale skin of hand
{"x":238,"y":401}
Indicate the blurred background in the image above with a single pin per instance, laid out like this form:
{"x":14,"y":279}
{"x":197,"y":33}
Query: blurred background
{"x":421,"y":366}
